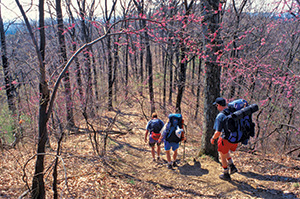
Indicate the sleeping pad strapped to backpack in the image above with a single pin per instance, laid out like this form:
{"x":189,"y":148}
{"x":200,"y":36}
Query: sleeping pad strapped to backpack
{"x":238,"y":122}
{"x":174,"y":128}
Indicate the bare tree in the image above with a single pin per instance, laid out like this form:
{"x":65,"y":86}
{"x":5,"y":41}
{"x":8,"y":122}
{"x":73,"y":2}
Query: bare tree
{"x":183,"y":61}
{"x":88,"y":73}
{"x":141,"y":9}
{"x":9,"y":87}
{"x":72,"y":32}
{"x":63,"y":58}
{"x":111,"y":77}
{"x":211,"y":28}
{"x":38,"y":186}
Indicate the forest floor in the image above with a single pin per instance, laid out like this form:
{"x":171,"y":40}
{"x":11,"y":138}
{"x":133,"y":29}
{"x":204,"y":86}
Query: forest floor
{"x":128,"y":171}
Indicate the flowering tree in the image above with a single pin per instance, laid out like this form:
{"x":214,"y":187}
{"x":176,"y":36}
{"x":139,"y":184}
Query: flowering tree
{"x":245,"y":53}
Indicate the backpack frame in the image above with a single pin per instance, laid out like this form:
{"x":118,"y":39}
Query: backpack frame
{"x":171,"y":128}
{"x":238,"y":124}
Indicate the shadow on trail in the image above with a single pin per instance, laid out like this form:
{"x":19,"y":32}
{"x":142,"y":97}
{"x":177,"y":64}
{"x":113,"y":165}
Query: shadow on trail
{"x":121,"y":145}
{"x":188,"y":191}
{"x":261,"y":191}
{"x":166,"y":187}
{"x":273,"y":178}
{"x":192,"y":170}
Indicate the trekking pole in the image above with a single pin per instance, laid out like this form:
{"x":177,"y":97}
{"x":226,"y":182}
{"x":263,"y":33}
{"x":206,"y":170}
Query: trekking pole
{"x":185,"y":128}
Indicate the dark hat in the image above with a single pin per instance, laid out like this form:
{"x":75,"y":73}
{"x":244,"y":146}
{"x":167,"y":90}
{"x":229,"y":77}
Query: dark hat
{"x":221,"y":101}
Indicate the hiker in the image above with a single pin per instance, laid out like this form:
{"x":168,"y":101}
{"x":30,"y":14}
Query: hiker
{"x":172,"y":134}
{"x":224,"y":146}
{"x":154,"y":126}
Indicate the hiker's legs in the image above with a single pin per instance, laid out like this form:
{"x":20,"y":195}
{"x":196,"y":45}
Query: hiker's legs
{"x":230,"y":164}
{"x":225,"y":175}
{"x":175,"y":146}
{"x":174,"y":155}
{"x":224,"y":160}
{"x":228,"y":159}
{"x":158,"y":150}
{"x":168,"y":147}
{"x":168,"y":156}
{"x":153,"y":152}
{"x":152,"y":145}
{"x":224,"y":147}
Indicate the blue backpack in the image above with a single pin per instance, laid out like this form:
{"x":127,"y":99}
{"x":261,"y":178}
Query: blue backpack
{"x":175,"y":123}
{"x":238,"y":125}
{"x":155,"y":126}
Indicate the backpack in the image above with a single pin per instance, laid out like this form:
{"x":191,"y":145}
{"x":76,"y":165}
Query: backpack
{"x":174,"y":128}
{"x":238,"y":125}
{"x":154,"y":127}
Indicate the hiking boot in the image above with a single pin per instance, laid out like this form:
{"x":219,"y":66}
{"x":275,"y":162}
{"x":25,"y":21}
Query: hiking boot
{"x":175,"y":164}
{"x":225,"y":176}
{"x":233,"y":169}
{"x":170,"y":166}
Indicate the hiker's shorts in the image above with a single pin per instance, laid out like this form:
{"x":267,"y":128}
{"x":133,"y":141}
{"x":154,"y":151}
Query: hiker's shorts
{"x":152,"y":142}
{"x":224,"y":146}
{"x":169,"y":145}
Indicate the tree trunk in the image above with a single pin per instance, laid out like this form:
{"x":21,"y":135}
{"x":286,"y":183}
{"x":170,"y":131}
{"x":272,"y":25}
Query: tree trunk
{"x":126,"y":64}
{"x":182,"y":78}
{"x":198,"y":88}
{"x":63,"y":57}
{"x":108,"y":16}
{"x":170,"y":58}
{"x":150,"y":70}
{"x":9,"y":87}
{"x":183,"y":61}
{"x":88,"y":74}
{"x":116,"y":62}
{"x":38,"y":186}
{"x":165,"y":64}
{"x":95,"y":81}
{"x":74,"y":47}
{"x":193,"y":75}
{"x":110,"y":74}
{"x":149,"y":65}
{"x":141,"y":76}
{"x":211,"y":29}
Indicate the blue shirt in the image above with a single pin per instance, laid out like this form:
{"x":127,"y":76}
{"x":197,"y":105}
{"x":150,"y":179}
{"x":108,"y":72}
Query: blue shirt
{"x":219,"y":122}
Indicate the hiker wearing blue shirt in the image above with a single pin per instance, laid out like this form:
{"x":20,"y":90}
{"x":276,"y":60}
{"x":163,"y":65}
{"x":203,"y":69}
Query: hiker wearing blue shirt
{"x":224,"y":146}
{"x":154,"y":126}
{"x":172,"y":134}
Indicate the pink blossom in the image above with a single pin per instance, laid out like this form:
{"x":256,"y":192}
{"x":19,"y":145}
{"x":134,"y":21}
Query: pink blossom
{"x":263,"y":102}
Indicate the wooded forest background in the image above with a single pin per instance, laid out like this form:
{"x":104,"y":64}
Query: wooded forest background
{"x":152,"y":55}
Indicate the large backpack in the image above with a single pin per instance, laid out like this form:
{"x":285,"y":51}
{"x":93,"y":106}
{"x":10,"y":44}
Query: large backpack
{"x":154,"y":127}
{"x":174,"y":128}
{"x":238,"y":125}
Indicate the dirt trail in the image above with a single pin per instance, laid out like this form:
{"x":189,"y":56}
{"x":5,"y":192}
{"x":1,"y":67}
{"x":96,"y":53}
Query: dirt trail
{"x":127,"y":170}
{"x":194,"y":179}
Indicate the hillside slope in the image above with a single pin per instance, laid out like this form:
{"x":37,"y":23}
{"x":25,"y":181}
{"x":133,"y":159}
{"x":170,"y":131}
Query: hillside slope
{"x":128,"y":171}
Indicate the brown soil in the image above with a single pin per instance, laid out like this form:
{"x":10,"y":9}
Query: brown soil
{"x":128,"y":171}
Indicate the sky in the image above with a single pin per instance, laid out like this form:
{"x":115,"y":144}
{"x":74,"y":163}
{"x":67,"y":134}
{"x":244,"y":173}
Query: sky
{"x":10,"y":11}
